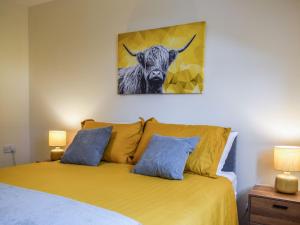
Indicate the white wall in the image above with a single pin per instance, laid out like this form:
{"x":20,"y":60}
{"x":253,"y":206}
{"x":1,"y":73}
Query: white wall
{"x":251,"y":83}
{"x":14,"y":81}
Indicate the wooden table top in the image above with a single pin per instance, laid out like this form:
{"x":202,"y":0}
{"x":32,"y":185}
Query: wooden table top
{"x":269,"y":192}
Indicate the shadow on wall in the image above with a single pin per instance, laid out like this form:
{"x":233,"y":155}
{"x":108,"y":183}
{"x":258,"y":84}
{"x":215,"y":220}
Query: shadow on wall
{"x":242,"y":202}
{"x":147,"y":18}
{"x":265,"y":167}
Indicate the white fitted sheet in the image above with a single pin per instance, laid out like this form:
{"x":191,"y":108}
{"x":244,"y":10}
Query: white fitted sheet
{"x":232,"y":177}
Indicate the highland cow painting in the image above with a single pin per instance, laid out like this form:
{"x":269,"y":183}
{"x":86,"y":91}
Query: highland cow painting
{"x":167,"y":60}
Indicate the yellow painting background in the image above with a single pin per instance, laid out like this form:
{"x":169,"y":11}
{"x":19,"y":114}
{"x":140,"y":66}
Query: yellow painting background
{"x":186,"y":73}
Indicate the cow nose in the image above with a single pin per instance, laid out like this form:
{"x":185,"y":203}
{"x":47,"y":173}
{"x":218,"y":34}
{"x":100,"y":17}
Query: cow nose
{"x":156,"y":74}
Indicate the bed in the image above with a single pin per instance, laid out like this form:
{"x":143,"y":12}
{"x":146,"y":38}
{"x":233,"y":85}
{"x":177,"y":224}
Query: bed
{"x":196,"y":200}
{"x":140,"y":180}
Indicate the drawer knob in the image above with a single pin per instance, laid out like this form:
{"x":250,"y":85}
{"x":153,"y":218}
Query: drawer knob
{"x":280,"y":207}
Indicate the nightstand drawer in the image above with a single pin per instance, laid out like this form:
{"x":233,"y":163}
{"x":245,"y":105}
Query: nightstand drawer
{"x":274,"y":212}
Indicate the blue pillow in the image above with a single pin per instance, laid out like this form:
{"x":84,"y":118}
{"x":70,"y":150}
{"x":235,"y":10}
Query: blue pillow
{"x":166,"y":157}
{"x":88,"y":147}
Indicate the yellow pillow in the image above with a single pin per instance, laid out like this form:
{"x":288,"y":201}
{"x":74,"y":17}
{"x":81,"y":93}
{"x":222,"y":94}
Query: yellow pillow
{"x":205,"y":158}
{"x":123,"y":141}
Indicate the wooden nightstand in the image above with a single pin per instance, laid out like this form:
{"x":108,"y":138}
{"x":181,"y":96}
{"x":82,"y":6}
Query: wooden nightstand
{"x":56,"y":154}
{"x":267,"y":207}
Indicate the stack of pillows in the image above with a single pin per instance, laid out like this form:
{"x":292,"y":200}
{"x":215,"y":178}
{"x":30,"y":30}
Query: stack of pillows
{"x":156,"y":149}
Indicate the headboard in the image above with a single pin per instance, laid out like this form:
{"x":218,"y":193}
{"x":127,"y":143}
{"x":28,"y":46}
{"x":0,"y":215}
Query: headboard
{"x":230,"y":163}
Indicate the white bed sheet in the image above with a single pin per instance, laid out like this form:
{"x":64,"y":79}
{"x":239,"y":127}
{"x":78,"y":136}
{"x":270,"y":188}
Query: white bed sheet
{"x":232,"y":177}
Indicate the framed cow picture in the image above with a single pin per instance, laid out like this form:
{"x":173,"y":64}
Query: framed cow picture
{"x":168,"y":60}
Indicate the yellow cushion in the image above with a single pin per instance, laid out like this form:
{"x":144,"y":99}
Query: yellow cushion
{"x":123,"y":141}
{"x":205,"y":158}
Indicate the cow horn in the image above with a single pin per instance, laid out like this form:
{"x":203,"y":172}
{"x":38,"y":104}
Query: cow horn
{"x":187,"y":45}
{"x":130,"y":52}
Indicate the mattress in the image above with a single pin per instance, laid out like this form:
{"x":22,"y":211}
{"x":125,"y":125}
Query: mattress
{"x":197,"y":200}
{"x":231,"y":176}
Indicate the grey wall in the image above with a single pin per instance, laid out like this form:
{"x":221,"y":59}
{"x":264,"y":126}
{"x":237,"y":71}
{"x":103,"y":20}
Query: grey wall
{"x":251,"y":82}
{"x":14,"y":81}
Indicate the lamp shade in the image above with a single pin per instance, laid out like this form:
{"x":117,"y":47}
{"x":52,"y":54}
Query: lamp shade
{"x":287,"y":158}
{"x":57,"y":138}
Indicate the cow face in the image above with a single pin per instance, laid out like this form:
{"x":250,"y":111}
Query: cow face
{"x":155,"y":62}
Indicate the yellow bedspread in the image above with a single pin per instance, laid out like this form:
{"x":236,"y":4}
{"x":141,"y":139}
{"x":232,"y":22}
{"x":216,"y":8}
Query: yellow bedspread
{"x":196,"y":200}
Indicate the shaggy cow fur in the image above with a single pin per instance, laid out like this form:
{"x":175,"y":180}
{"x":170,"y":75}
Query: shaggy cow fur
{"x":149,"y":74}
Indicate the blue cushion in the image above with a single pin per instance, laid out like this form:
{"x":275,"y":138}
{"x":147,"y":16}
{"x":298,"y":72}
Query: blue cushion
{"x":88,"y":147}
{"x":166,"y":157}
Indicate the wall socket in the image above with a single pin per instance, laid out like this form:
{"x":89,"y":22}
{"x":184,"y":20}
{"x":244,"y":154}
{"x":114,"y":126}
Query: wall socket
{"x":9,"y":148}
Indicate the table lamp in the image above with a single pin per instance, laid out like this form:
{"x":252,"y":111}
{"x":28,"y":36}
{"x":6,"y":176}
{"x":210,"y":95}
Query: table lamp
{"x":286,"y":159}
{"x":57,"y":139}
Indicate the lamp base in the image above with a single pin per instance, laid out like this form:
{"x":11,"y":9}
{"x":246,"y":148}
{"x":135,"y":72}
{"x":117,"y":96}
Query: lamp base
{"x":56,"y":154}
{"x":286,"y":183}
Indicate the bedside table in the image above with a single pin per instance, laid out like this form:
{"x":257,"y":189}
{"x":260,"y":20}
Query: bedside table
{"x":267,"y":207}
{"x":56,"y":154}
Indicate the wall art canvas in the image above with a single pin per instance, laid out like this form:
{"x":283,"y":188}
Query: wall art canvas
{"x":168,"y":60}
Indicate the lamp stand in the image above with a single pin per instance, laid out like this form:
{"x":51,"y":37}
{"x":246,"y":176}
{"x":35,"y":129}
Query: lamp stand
{"x":286,"y":183}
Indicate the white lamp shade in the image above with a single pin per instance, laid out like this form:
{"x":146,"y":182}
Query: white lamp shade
{"x":57,"y":138}
{"x":287,"y":158}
